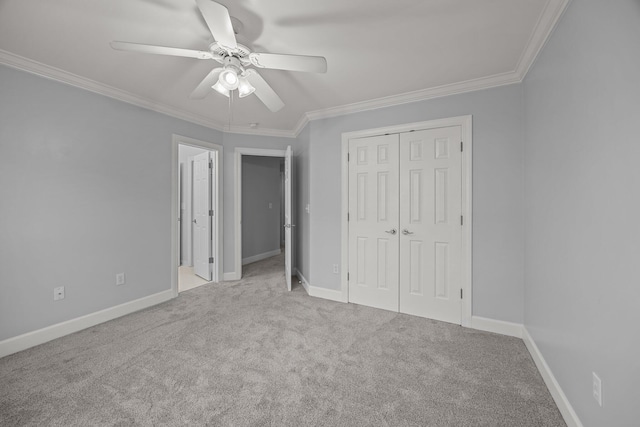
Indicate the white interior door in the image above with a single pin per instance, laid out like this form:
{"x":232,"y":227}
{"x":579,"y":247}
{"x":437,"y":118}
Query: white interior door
{"x":430,"y":223}
{"x":373,"y":221}
{"x":405,"y":231}
{"x":201,"y":215}
{"x":287,"y":215}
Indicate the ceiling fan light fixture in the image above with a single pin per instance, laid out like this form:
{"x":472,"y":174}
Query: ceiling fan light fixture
{"x":245,"y":88}
{"x":233,"y":58}
{"x":218,"y":87}
{"x":229,"y":79}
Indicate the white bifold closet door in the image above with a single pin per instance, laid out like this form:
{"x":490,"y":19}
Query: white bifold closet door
{"x":430,"y":223}
{"x":405,"y":233}
{"x":373,"y":221}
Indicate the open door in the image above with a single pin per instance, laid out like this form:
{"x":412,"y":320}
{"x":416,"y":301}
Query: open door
{"x":202,"y":258}
{"x":287,"y":216}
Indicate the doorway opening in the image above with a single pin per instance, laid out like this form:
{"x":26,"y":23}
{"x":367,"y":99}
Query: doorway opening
{"x":263,"y":207}
{"x":196,"y":213}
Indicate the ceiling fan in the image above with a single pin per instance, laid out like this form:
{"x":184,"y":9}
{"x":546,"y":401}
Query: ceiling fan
{"x":234,"y":58}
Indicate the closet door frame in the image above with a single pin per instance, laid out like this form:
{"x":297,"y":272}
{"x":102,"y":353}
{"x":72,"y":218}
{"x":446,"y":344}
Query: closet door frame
{"x":465,"y":123}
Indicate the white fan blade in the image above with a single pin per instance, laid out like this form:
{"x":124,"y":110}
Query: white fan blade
{"x":204,"y":88}
{"x":161,"y":50}
{"x":264,"y":91}
{"x":312,"y":64}
{"x":219,"y":22}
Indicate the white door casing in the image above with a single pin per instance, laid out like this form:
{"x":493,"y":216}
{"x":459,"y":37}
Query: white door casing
{"x":181,"y":214}
{"x":239,"y":152}
{"x":202,"y":221}
{"x":217,"y":204}
{"x":373,"y":221}
{"x":430,"y":223}
{"x":287,"y":215}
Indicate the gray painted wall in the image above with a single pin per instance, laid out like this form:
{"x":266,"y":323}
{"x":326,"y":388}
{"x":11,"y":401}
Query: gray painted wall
{"x":302,"y":199}
{"x":85,"y":188}
{"x":85,"y":184}
{"x":261,"y":186}
{"x":582,"y":208}
{"x":85,"y":191}
{"x":498,"y":238}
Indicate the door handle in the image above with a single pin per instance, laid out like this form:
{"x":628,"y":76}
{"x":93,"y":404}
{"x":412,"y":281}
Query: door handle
{"x":195,"y":222}
{"x":392,"y":231}
{"x":289,"y":225}
{"x":406,"y":232}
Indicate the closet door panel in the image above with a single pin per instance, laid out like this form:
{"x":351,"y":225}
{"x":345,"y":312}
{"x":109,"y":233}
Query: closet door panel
{"x":373,"y":221}
{"x":430,"y":229}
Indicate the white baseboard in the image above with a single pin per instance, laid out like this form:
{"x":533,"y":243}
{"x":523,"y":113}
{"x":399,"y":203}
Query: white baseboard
{"x":319,"y":292}
{"x":330,"y":294}
{"x":489,"y":325}
{"x":305,"y":283}
{"x":41,"y":336}
{"x":230,"y":276}
{"x":261,"y":256}
{"x":569,"y":415}
{"x":497,"y":326}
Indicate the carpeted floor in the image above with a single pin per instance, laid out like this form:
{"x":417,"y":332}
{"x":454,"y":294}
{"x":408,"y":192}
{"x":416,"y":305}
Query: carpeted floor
{"x":249,"y":353}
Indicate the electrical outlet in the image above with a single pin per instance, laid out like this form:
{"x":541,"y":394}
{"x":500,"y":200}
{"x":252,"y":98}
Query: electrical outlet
{"x":335,"y":268}
{"x":270,"y":205}
{"x":120,"y":280}
{"x":307,"y":208}
{"x":58,"y":293}
{"x":597,"y":388}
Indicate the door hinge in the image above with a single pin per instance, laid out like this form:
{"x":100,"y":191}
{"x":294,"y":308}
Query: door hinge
{"x":348,"y":157}
{"x":347,"y":277}
{"x":461,"y":146}
{"x":461,"y":220}
{"x":347,"y":216}
{"x":211,"y":212}
{"x":460,"y":293}
{"x":211,"y":260}
{"x":210,"y":164}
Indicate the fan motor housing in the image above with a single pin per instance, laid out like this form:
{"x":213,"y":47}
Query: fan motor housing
{"x":240,"y":52}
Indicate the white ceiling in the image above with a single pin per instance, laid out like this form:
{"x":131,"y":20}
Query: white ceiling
{"x":397,"y":50}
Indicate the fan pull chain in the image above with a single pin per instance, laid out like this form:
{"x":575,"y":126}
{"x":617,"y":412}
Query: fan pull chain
{"x":230,"y":110}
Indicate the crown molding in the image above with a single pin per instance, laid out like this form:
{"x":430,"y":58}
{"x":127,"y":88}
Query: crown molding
{"x":304,"y":119}
{"x":260,"y":131}
{"x":547,"y":22}
{"x":34,"y":67}
{"x":418,"y":95}
{"x":551,"y":14}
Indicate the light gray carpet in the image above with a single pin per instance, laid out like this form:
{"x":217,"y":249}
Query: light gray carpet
{"x":249,"y":353}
